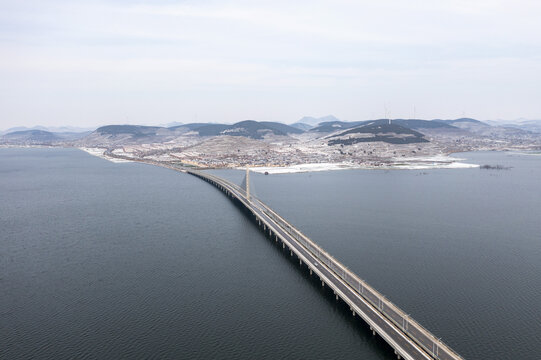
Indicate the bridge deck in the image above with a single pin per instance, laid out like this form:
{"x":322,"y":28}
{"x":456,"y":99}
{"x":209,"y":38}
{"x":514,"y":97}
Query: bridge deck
{"x":408,"y":338}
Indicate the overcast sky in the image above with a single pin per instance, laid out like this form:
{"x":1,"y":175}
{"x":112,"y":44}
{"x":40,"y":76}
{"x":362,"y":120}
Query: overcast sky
{"x":89,"y":63}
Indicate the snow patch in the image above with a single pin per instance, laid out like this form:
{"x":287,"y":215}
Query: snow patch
{"x":100,"y":152}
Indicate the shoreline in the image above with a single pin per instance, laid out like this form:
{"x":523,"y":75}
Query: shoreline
{"x":100,"y":152}
{"x":411,"y":163}
{"x":440,"y":161}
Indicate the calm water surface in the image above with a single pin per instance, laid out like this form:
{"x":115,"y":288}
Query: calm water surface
{"x":103,"y":260}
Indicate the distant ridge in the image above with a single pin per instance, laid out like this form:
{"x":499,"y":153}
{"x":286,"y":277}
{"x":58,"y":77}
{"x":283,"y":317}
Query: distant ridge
{"x":422,"y":124}
{"x":135,"y":134}
{"x":526,"y":125}
{"x":248,"y":128}
{"x":461,"y":120}
{"x":134,"y":130}
{"x":51,"y":129}
{"x":302,"y":126}
{"x":329,"y":127}
{"x":31,"y":136}
{"x":310,"y":120}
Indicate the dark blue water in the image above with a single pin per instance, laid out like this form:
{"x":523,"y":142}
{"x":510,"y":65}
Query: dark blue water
{"x":103,"y":260}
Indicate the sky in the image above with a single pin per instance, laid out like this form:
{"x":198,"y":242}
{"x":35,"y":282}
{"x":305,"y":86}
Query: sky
{"x":89,"y":63}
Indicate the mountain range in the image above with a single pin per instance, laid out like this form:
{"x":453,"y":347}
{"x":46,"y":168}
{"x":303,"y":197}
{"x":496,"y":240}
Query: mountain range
{"x":328,"y":127}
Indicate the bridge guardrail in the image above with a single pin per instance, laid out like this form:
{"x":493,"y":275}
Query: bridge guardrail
{"x":419,"y":333}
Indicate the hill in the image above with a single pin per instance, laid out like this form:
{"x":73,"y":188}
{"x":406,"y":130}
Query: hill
{"x":133,"y":130}
{"x":533,"y":126}
{"x":257,"y":130}
{"x":422,"y":124}
{"x":302,"y":126}
{"x":286,"y":129}
{"x":331,"y":126}
{"x":248,"y":128}
{"x":52,"y":129}
{"x":483,"y":129}
{"x":461,"y":120}
{"x":127,"y":134}
{"x":377,"y":131}
{"x":408,"y":123}
{"x":138,"y":134}
{"x":31,"y":137}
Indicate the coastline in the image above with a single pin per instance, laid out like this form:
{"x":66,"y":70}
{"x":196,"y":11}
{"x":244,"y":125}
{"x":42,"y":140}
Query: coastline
{"x":100,"y":152}
{"x":532,"y":153}
{"x":442,"y":161}
{"x":410,"y":163}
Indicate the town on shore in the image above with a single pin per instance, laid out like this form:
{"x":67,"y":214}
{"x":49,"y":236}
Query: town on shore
{"x":312,"y":144}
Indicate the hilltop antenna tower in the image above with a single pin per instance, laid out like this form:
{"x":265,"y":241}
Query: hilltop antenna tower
{"x":387,"y":115}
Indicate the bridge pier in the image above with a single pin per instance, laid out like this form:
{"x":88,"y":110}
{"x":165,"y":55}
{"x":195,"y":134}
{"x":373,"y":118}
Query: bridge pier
{"x":397,"y":355}
{"x":322,"y":283}
{"x":310,"y":271}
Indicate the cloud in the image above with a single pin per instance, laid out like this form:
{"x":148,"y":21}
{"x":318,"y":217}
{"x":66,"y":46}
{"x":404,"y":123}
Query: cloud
{"x":305,"y":50}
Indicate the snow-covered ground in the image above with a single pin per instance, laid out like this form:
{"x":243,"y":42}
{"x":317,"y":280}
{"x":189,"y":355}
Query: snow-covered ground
{"x":409,"y":163}
{"x":431,"y":162}
{"x":412,"y":163}
{"x":426,"y":166}
{"x":99,"y":152}
{"x":302,"y":168}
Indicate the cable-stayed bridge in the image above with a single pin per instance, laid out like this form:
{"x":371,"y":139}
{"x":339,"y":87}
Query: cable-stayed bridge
{"x":407,"y":337}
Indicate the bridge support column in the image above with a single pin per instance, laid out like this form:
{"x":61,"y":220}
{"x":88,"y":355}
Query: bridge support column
{"x":283,"y":245}
{"x":353,"y":311}
{"x":310,"y":271}
{"x":300,"y":262}
{"x":373,"y":332}
{"x":322,"y":283}
{"x":397,"y":355}
{"x":290,"y":253}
